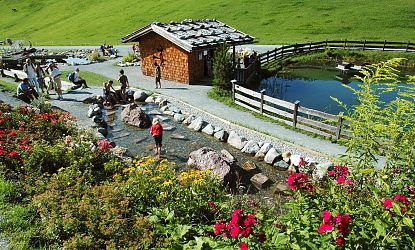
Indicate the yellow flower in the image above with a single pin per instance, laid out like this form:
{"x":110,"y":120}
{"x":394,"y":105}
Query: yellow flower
{"x":155,"y":178}
{"x":167,"y":183}
{"x":163,"y":195}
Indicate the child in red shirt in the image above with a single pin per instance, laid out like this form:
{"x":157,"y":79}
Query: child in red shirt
{"x":156,"y":131}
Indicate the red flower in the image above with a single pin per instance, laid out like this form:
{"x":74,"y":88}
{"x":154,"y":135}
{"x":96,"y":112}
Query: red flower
{"x":325,"y":228}
{"x":261,"y":237}
{"x":388,"y":203}
{"x":402,"y":199}
{"x":299,"y":181}
{"x":235,"y":231}
{"x":246,"y":232}
{"x":327,"y":216}
{"x":340,"y":241}
{"x":3,"y":152}
{"x":332,"y":173}
{"x":403,"y":210}
{"x":13,"y":154}
{"x":12,"y":133}
{"x":341,"y":179}
{"x":243,"y":246}
{"x":349,"y":182}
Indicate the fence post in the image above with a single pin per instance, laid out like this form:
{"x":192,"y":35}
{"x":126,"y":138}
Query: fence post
{"x":339,"y":125}
{"x":407,"y":46}
{"x":295,"y":113}
{"x":344,"y":45}
{"x":309,"y":48}
{"x":233,"y":89}
{"x":282,"y":51}
{"x":262,"y":100}
{"x":364,"y":44}
{"x":267,"y":56}
{"x":275,"y":54}
{"x":295,"y":48}
{"x":384,"y":43}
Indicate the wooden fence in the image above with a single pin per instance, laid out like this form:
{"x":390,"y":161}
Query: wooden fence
{"x":324,"y":124}
{"x":284,"y":51}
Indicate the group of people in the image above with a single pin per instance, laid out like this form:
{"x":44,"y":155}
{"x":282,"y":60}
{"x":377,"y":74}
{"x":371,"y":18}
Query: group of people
{"x":35,"y":83}
{"x":108,"y":50}
{"x":110,"y":94}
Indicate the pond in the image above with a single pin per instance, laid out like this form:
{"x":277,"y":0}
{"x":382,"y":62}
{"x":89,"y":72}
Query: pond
{"x":141,"y":143}
{"x":313,"y":86}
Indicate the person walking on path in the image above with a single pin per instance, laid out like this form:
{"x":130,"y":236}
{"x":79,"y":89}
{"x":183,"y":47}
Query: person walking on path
{"x":156,"y":131}
{"x":30,"y":70}
{"x":55,"y":77}
{"x":40,"y":75}
{"x":25,"y":92}
{"x":123,"y":80}
{"x":78,"y":80}
{"x":158,"y":75}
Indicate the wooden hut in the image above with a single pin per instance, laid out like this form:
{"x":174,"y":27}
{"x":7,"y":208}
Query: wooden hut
{"x":185,"y":49}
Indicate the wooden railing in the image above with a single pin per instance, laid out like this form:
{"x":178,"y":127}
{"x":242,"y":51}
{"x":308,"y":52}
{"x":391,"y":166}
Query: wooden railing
{"x":242,"y":74}
{"x":324,"y":124}
{"x":288,"y":50}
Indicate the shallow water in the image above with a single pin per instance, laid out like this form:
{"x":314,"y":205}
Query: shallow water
{"x":313,"y":86}
{"x":140,"y":142}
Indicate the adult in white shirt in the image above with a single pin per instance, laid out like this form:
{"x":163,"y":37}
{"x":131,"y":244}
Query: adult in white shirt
{"x":30,"y":69}
{"x":78,"y":80}
{"x":55,"y":77}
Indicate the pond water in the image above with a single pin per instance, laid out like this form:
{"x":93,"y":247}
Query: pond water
{"x":141,"y":143}
{"x":313,"y":86}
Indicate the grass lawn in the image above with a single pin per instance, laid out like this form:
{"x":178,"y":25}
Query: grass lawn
{"x":93,"y":22}
{"x":8,"y":86}
{"x":92,"y":79}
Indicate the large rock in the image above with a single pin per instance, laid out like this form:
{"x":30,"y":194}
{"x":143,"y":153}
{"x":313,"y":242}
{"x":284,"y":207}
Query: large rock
{"x":158,"y":99}
{"x":94,"y":110}
{"x":260,"y":181}
{"x":208,"y":159}
{"x":251,"y":147}
{"x":249,"y":166}
{"x":95,"y":99}
{"x":149,"y":99}
{"x":140,"y":96}
{"x":179,"y":117}
{"x":122,"y":153}
{"x":236,"y":141}
{"x":175,"y":109}
{"x":134,"y":115}
{"x":263,"y":150}
{"x":197,"y":124}
{"x":221,"y":135}
{"x":271,"y":156}
{"x":228,"y":155}
{"x":209,"y":129}
{"x":281,"y":165}
{"x":189,"y":119}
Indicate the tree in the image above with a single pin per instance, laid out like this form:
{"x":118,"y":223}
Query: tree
{"x":222,"y":68}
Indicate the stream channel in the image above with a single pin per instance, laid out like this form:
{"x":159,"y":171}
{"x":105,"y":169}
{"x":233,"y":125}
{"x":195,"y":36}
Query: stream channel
{"x":140,"y":143}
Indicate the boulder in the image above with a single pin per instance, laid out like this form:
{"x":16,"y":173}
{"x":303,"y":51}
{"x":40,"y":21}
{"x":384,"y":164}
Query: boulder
{"x":158,"y":99}
{"x":248,"y":166}
{"x":228,"y":155}
{"x":281,"y":165}
{"x":95,"y":99}
{"x":140,"y":96}
{"x":134,"y":115}
{"x":260,"y":181}
{"x":189,"y":119}
{"x":209,"y":129}
{"x":251,"y":147}
{"x":221,"y":135}
{"x":164,"y":108}
{"x":236,"y":141}
{"x":175,"y":109}
{"x":94,"y":110}
{"x":197,"y":124}
{"x":206,"y":158}
{"x":179,"y":117}
{"x":163,"y":103}
{"x":168,"y":112}
{"x":123,"y":153}
{"x":263,"y":150}
{"x":280,"y":188}
{"x":149,"y":99}
{"x":271,"y":156}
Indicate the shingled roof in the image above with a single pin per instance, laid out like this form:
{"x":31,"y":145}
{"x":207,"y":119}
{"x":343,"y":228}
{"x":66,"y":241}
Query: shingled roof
{"x":193,"y":34}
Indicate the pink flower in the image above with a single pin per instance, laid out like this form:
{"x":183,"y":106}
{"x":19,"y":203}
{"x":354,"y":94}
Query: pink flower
{"x":388,"y":203}
{"x":402,"y":199}
{"x":261,"y":237}
{"x":349,"y":182}
{"x":332,"y":173}
{"x":340,"y":241}
{"x":403,"y":210}
{"x":243,"y":246}
{"x":341,"y":179}
{"x":246,"y":232}
{"x":325,"y":228}
{"x":13,"y":154}
{"x":235,"y":232}
{"x":327,"y":216}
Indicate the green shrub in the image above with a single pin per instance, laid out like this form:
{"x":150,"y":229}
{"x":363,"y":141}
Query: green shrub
{"x":222,"y":68}
{"x":129,"y":58}
{"x":95,"y":56}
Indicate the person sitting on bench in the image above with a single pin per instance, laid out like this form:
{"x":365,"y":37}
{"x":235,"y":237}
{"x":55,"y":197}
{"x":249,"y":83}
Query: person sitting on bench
{"x":78,"y":80}
{"x":25,"y":92}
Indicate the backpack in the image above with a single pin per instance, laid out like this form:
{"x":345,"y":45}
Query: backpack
{"x":71,"y":77}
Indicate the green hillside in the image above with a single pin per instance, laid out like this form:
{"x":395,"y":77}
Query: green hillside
{"x":83,"y":22}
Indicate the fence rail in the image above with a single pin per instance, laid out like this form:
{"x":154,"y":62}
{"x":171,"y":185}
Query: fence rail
{"x":281,"y":52}
{"x":292,"y":114}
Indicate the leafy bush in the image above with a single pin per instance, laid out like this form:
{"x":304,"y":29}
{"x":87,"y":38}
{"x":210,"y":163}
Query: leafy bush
{"x":222,"y":68}
{"x":129,"y":58}
{"x":95,"y":56}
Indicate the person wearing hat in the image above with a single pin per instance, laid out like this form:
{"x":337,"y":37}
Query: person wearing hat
{"x":156,"y":131}
{"x":55,"y":77}
{"x":25,"y":92}
{"x":30,"y":69}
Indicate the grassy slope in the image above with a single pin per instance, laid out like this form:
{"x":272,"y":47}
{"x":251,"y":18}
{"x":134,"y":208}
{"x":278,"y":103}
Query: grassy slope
{"x":51,"y":22}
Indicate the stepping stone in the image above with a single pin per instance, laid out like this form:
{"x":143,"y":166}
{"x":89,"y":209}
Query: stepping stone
{"x":178,"y":136}
{"x":167,"y":127}
{"x":121,"y":135}
{"x":116,"y":130}
{"x":162,"y":118}
{"x":140,"y":139}
{"x":112,"y":112}
{"x":154,"y":112}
